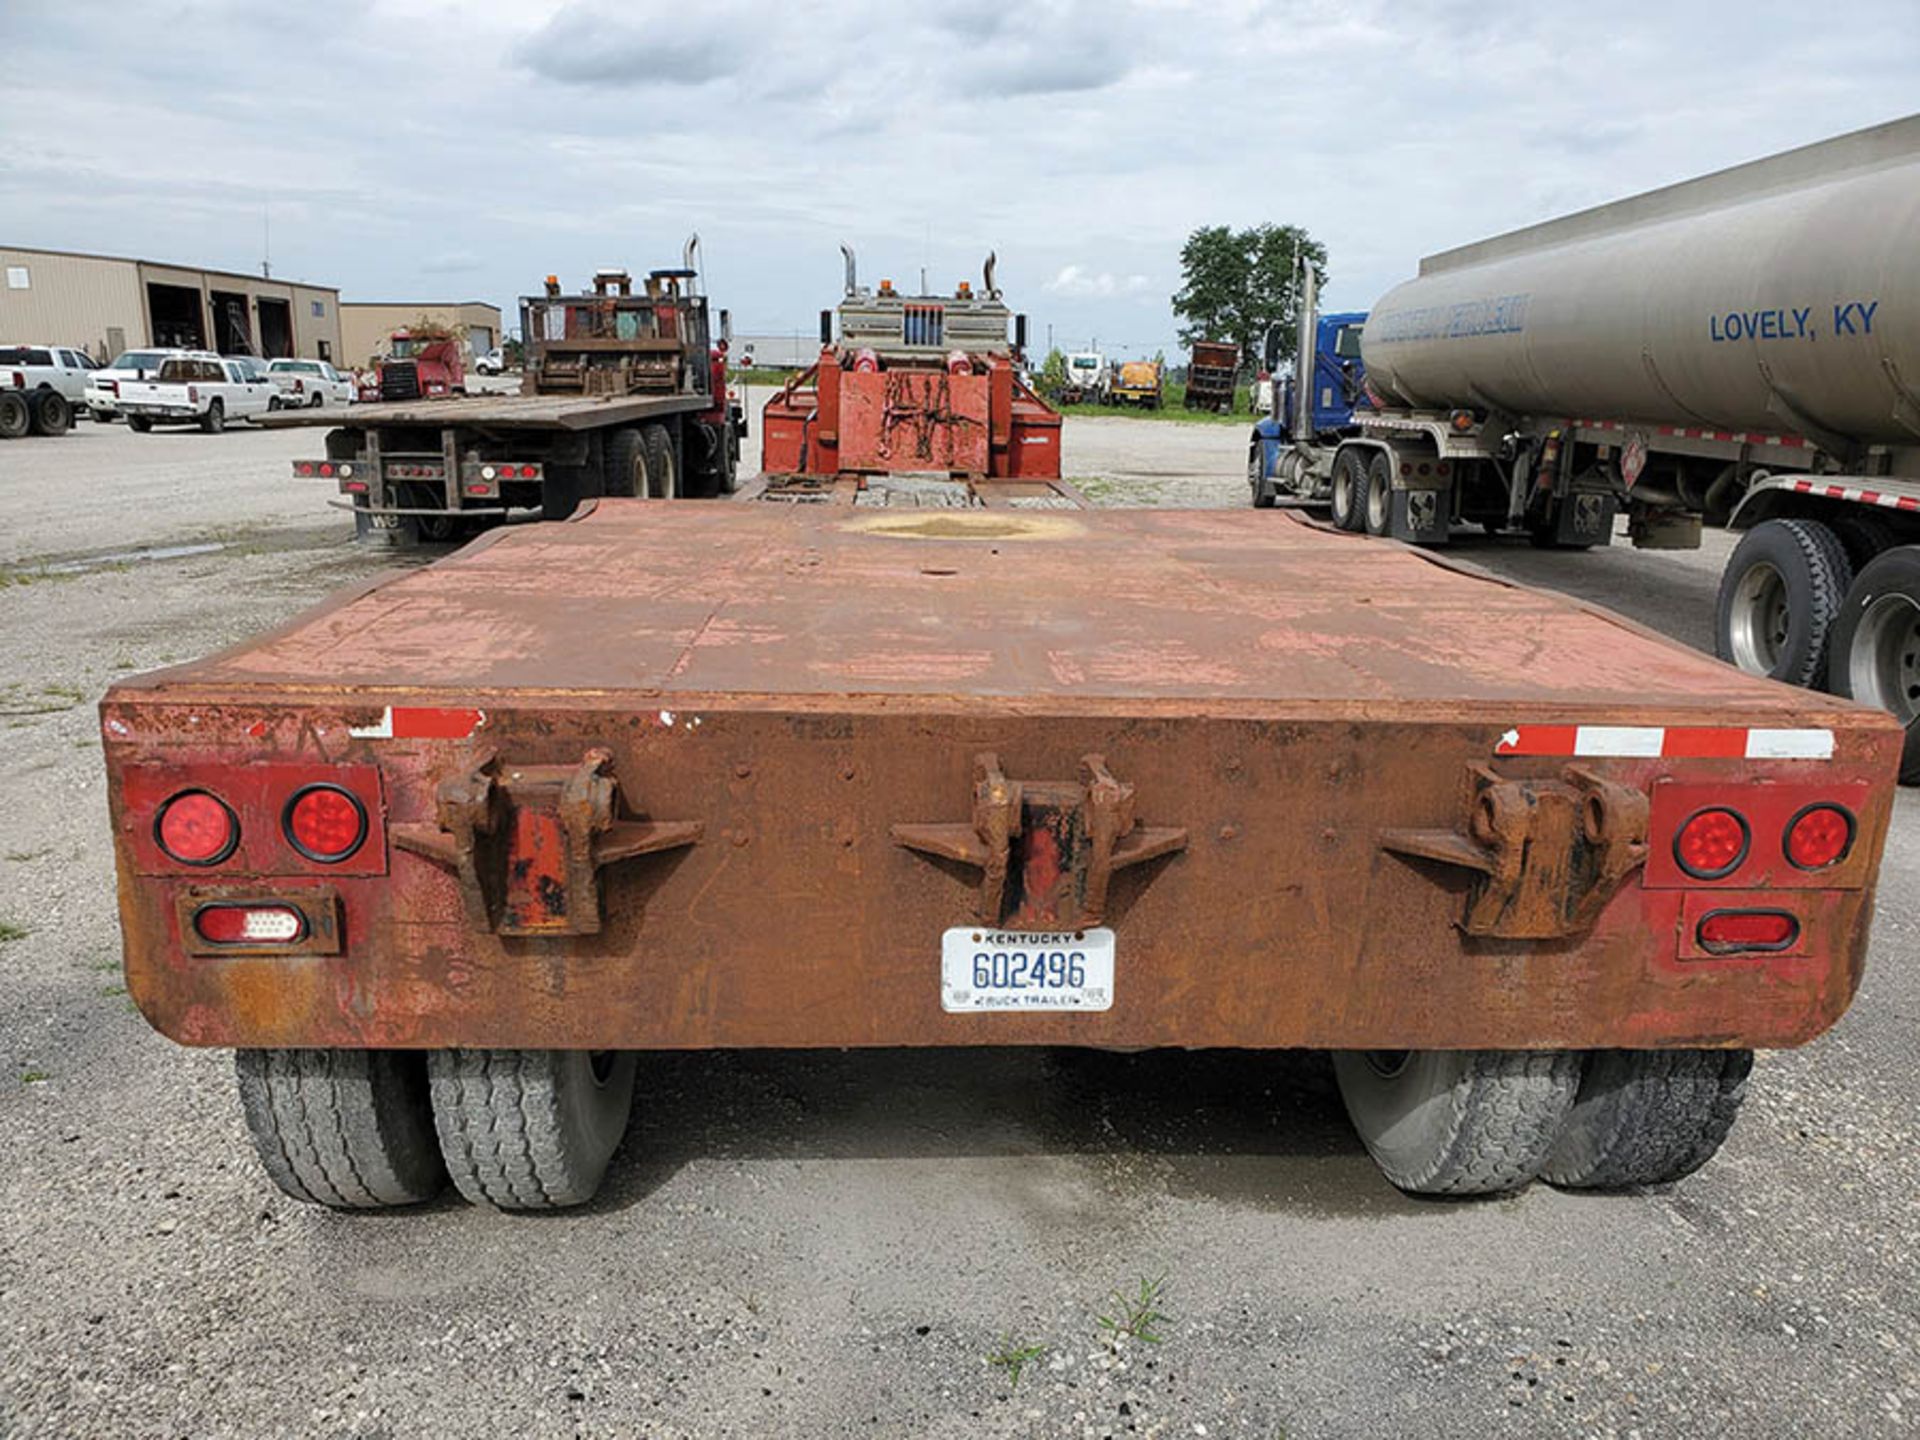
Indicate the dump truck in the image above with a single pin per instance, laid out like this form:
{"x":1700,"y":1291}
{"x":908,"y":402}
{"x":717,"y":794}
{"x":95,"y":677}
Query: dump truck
{"x":623,"y":392}
{"x":1741,"y":347}
{"x":421,"y":364}
{"x":745,"y":775}
{"x":911,"y":385}
{"x":1213,"y":372}
{"x":1137,"y":382}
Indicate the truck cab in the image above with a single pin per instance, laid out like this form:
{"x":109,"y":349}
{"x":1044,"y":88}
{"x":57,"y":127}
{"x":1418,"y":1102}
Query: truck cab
{"x":1339,"y":385}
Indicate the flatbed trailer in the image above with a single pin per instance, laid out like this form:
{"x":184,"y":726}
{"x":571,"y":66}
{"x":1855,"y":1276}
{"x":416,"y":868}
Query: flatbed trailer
{"x":754,"y":775}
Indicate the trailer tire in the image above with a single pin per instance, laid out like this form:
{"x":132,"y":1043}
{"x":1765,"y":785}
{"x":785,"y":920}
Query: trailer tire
{"x":139,"y":424}
{"x":350,"y":1129}
{"x":1349,"y":491}
{"x":1863,"y":537}
{"x":626,"y":464}
{"x":52,"y":413}
{"x":1378,"y":517}
{"x":663,"y":463}
{"x":215,"y":420}
{"x":1264,"y":495}
{"x":529,"y":1129}
{"x":1876,"y":645}
{"x":1458,"y":1122}
{"x":1647,"y":1117}
{"x":16,"y":416}
{"x":1779,"y":597}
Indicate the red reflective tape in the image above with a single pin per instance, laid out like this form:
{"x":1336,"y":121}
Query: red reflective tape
{"x":1538,"y":740}
{"x":1872,"y":497}
{"x":1704,"y":742}
{"x":426,"y":723}
{"x":1906,"y":502}
{"x":1805,"y":487}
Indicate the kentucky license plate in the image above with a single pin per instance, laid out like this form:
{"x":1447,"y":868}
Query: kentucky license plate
{"x":984,"y":969}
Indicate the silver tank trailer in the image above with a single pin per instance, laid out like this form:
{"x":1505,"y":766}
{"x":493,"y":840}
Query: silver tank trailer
{"x":1780,"y":295}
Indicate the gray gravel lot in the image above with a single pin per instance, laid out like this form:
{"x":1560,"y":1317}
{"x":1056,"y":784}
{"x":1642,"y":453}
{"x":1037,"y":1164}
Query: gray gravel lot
{"x":835,"y":1244}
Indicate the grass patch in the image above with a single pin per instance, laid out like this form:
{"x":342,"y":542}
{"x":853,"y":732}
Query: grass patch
{"x":34,"y":1077}
{"x":1136,"y":1314}
{"x":10,"y":931}
{"x":20,"y":857}
{"x":1014,"y":1358}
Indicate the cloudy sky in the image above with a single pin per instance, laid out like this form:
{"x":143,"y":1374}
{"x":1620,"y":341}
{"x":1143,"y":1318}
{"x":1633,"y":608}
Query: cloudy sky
{"x":454,"y":149}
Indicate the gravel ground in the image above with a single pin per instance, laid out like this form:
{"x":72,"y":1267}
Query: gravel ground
{"x":836,"y":1244}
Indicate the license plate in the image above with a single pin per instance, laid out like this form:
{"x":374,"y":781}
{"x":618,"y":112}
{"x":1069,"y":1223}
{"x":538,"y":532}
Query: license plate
{"x":1024,"y":970}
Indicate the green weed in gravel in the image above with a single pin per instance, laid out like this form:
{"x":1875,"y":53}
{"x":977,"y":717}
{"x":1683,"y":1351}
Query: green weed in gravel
{"x":1014,"y":1358}
{"x":1137,"y":1315}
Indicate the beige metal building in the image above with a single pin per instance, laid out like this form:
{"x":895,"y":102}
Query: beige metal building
{"x":366,"y":327}
{"x":105,"y":304}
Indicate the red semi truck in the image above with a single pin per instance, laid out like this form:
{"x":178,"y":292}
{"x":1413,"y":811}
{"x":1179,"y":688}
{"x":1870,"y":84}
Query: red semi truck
{"x":437,"y":857}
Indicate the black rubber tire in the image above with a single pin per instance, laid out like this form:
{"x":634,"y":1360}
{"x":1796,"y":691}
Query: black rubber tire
{"x":52,"y":413}
{"x":1349,"y":491}
{"x":529,"y":1129}
{"x":346,"y":1128}
{"x":139,"y":424}
{"x":1459,"y":1122}
{"x":215,"y":420}
{"x":1378,"y":516}
{"x":663,"y":463}
{"x":319,"y":399}
{"x":1264,"y":495}
{"x":1886,"y":580}
{"x":1648,"y":1117}
{"x":16,"y":415}
{"x":626,"y":464}
{"x":1862,"y":536}
{"x":1813,"y":573}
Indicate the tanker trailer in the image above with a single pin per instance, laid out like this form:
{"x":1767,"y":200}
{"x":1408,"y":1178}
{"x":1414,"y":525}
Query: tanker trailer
{"x":1743,"y":347}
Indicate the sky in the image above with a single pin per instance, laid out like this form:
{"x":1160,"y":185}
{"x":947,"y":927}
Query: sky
{"x":437,"y":150}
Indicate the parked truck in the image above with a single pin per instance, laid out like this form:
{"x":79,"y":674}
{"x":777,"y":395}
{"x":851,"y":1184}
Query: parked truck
{"x":911,"y":385}
{"x":200,"y":389}
{"x":422,"y":364}
{"x":42,"y":387}
{"x":1088,"y":377}
{"x":623,"y":392}
{"x":1137,"y":382}
{"x":436,"y":858}
{"x":1742,"y":347}
{"x":1213,"y":372}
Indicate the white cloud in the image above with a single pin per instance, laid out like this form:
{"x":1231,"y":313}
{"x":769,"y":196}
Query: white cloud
{"x":1079,"y":281}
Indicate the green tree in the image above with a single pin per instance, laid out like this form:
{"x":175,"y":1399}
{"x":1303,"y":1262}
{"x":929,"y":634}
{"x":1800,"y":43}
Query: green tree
{"x":1235,"y":283}
{"x":1053,"y":373}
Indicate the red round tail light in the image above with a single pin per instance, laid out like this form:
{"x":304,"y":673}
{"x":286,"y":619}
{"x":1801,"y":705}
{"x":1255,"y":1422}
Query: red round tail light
{"x":325,"y":823}
{"x":1712,"y":843}
{"x":196,"y":828}
{"x":1819,"y":836}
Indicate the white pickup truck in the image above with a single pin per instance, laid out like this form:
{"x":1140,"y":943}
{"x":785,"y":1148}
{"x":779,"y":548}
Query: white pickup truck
{"x":198,"y":390}
{"x":313,"y":383}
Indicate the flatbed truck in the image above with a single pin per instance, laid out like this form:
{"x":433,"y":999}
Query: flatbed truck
{"x":622,"y":394}
{"x":749,"y":774}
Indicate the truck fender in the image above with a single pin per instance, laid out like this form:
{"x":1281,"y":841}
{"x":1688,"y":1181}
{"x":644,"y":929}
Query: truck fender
{"x":1830,"y":498}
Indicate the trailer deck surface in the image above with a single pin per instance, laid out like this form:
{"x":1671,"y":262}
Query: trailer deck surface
{"x":1312,"y":790}
{"x":528,"y":412}
{"x":1210,"y":612}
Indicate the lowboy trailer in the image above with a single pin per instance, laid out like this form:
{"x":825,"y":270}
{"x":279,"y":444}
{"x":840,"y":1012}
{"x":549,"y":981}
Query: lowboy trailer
{"x":827,"y":776}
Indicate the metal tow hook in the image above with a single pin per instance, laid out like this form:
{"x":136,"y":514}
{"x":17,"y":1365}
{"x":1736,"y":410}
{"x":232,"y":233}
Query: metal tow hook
{"x":527,"y":842}
{"x":1046,"y":849}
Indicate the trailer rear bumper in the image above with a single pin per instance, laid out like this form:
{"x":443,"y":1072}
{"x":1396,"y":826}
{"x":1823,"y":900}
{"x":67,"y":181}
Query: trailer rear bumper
{"x":727,"y":874}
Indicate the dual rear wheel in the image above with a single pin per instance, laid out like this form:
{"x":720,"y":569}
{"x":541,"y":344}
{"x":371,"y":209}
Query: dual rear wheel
{"x":1482,"y":1122}
{"x":366,"y":1129}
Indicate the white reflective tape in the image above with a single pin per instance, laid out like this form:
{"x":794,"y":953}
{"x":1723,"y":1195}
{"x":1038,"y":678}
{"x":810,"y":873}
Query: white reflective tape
{"x":1789,"y":744}
{"x":381,"y":731}
{"x":1644,"y":740}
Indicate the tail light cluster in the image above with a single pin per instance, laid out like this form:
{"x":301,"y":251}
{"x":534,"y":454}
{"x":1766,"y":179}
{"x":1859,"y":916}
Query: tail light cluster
{"x":324,"y":823}
{"x":1716,"y":841}
{"x":325,"y":469}
{"x":1747,"y":858}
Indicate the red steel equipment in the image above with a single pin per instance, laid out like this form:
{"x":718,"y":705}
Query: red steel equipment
{"x":914,"y":384}
{"x":419,"y":366}
{"x":745,"y":775}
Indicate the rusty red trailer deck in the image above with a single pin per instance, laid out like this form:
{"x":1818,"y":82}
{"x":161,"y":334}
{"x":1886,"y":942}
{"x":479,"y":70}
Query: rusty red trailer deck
{"x":724,"y":775}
